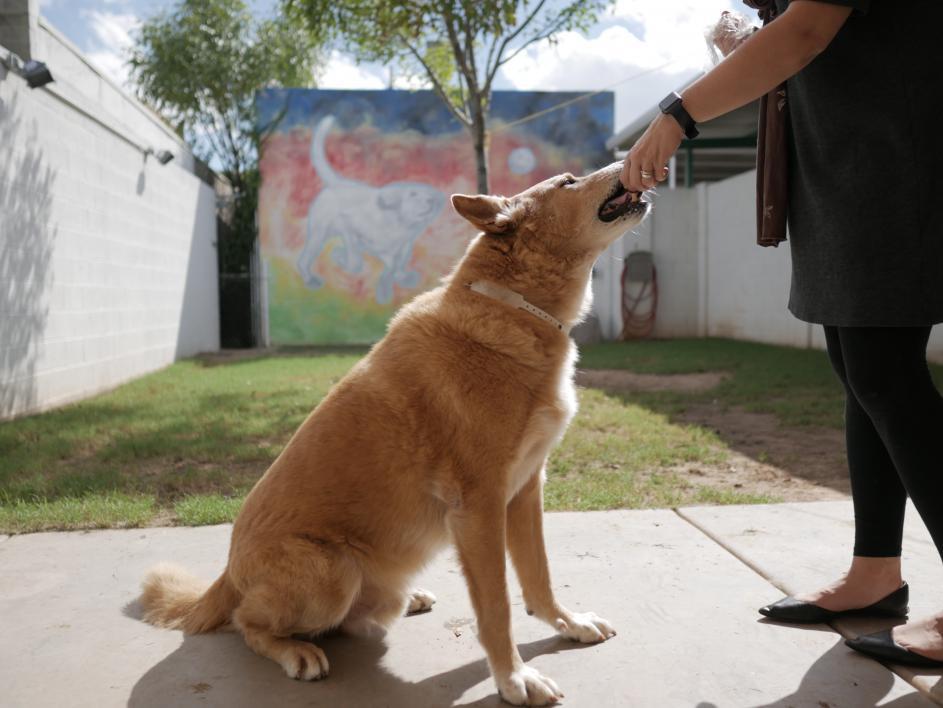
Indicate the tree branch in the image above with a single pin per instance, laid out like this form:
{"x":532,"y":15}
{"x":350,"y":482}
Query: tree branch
{"x":458,"y":51}
{"x":539,"y":37}
{"x":436,"y":84}
{"x":492,"y":70}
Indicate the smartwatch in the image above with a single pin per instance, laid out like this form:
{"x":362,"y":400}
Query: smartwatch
{"x":671,"y":106}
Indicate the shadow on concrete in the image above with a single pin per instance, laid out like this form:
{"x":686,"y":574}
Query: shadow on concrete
{"x":822,"y":685}
{"x":27,"y":235}
{"x":219,"y":669}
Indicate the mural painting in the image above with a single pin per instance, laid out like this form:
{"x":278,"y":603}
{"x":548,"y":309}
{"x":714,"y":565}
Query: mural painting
{"x":353,"y":208}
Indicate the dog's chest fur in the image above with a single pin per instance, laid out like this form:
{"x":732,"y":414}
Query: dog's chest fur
{"x":545,"y":427}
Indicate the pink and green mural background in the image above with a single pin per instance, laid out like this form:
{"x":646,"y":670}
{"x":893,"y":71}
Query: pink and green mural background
{"x":353,"y":208}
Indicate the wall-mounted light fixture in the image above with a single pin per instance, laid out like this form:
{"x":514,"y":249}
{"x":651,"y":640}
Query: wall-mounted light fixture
{"x":162,"y":156}
{"x":35,"y":72}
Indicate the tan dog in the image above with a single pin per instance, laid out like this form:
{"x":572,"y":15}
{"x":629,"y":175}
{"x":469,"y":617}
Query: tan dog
{"x":440,"y":433}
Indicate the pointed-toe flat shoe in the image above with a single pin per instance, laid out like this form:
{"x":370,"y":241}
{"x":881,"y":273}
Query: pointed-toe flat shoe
{"x":881,"y":646}
{"x":789,"y":609}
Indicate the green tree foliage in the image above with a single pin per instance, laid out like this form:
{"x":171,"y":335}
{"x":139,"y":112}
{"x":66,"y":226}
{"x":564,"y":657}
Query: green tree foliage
{"x":199,"y":65}
{"x":458,"y":46}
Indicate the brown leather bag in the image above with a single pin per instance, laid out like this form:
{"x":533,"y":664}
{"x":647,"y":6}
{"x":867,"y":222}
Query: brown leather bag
{"x":772,"y":154}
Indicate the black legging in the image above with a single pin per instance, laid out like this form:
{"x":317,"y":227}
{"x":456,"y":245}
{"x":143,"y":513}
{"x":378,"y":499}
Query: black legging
{"x":894,"y":432}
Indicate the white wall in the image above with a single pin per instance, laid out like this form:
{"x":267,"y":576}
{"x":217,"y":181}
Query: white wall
{"x":713,"y":279}
{"x":107,"y":259}
{"x":747,"y":285}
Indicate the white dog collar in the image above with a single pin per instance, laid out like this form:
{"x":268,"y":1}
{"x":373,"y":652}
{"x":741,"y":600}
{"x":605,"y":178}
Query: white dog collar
{"x":516,"y":300}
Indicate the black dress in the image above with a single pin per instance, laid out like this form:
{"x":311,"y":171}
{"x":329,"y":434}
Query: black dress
{"x":866,"y":158}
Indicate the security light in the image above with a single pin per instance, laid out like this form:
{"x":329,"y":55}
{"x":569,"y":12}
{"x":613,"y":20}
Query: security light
{"x":162,"y":156}
{"x":36,"y":74}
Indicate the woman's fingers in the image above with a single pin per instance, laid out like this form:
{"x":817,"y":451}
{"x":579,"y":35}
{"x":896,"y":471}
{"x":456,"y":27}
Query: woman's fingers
{"x":647,"y":175}
{"x":635,"y":177}
{"x":625,"y":176}
{"x":645,"y":165}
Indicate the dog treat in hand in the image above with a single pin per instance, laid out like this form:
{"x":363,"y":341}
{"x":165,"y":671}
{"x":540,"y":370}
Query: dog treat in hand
{"x":730,"y":32}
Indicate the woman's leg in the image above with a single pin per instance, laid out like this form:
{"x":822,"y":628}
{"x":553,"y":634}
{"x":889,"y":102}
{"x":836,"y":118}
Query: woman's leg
{"x":887,"y":371}
{"x":879,"y":501}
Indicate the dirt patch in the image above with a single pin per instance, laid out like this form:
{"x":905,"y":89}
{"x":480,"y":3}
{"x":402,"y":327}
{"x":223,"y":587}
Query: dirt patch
{"x":620,"y":381}
{"x":791,"y":463}
{"x":764,"y":457}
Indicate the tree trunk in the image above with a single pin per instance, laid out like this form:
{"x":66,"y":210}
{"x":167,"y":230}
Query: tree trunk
{"x":479,"y":131}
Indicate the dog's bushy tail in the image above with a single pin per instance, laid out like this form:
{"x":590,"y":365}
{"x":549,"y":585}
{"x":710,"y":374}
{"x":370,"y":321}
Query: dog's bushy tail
{"x":173,"y":598}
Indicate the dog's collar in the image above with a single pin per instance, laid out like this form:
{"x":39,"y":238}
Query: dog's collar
{"x":499,"y":292}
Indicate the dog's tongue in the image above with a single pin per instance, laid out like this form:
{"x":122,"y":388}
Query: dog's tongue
{"x":618,"y":201}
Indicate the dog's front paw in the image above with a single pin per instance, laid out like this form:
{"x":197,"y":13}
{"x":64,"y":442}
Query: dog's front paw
{"x":304,"y":661}
{"x":419,"y":601}
{"x":529,"y":687}
{"x":585,"y":627}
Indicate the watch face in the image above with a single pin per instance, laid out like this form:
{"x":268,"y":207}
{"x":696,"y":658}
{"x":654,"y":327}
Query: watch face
{"x":668,"y":102}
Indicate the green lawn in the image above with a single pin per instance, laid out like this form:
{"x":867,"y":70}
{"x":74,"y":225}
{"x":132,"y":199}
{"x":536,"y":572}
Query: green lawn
{"x":183,"y":445}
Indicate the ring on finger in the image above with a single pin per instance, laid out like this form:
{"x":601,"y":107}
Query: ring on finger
{"x":645,"y":174}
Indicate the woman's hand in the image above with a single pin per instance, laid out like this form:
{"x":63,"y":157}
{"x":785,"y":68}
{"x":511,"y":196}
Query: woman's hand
{"x":647,"y":161}
{"x":771,"y":56}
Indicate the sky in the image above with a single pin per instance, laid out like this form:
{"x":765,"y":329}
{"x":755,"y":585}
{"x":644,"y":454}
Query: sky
{"x":639,"y":49}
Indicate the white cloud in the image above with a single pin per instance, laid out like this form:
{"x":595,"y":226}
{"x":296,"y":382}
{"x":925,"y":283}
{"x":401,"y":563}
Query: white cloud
{"x":342,"y":72}
{"x":643,"y":49}
{"x":676,"y":28}
{"x":109,"y":41}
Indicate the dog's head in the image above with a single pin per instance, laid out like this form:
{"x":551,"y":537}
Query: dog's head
{"x":413,"y":204}
{"x":566,"y":214}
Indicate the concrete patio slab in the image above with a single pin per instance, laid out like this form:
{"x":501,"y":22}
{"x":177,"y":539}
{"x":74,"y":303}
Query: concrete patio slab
{"x":803,"y":545}
{"x":684,"y":606}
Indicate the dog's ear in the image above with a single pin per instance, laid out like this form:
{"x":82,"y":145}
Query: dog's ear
{"x":494,"y":215}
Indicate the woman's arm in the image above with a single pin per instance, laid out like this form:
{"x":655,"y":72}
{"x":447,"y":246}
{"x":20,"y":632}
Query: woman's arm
{"x":765,"y":60}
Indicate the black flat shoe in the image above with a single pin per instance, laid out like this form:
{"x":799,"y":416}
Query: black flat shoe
{"x":882,"y":646}
{"x":789,"y":609}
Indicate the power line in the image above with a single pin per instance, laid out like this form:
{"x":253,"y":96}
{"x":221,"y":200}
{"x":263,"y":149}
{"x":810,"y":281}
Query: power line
{"x":583,"y":97}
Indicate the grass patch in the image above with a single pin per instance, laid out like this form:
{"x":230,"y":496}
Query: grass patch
{"x":191,"y":428}
{"x":797,"y":385}
{"x":206,"y":509}
{"x":184,"y":445}
{"x":611,"y":455}
{"x":94,"y":511}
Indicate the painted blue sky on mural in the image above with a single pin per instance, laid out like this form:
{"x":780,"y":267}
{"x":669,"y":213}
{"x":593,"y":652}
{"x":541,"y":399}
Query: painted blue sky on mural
{"x":582,"y":125}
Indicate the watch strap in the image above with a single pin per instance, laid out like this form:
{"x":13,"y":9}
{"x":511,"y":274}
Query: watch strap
{"x":673,"y":106}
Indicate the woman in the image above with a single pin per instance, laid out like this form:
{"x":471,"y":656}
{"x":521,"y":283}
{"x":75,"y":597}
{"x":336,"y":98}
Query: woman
{"x":864,"y":98}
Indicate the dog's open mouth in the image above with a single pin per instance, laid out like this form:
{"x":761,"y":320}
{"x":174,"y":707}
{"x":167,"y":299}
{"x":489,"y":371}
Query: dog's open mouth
{"x":621,"y":202}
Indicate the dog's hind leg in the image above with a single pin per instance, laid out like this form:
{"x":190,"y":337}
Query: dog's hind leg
{"x":317,"y":238}
{"x":377,"y":607}
{"x":300,"y":590}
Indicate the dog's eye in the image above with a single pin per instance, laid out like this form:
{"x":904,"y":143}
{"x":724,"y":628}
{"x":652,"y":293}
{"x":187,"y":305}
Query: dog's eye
{"x":567,"y":180}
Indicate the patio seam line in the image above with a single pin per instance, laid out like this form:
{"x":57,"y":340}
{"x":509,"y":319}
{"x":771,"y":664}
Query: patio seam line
{"x":906,"y":675}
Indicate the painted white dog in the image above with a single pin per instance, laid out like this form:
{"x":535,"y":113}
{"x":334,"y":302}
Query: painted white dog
{"x":381,"y":221}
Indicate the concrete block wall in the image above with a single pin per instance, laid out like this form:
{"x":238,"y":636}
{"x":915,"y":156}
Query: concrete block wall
{"x":107,"y":258}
